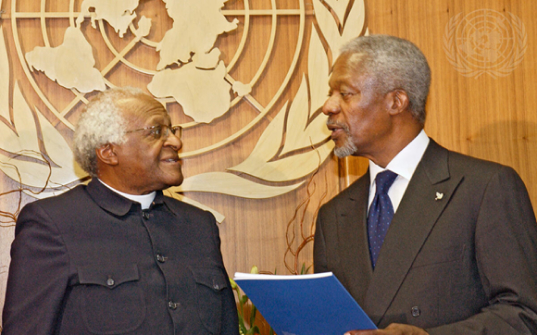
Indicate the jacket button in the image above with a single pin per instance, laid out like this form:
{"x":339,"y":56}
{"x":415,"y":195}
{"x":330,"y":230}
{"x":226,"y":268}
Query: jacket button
{"x":110,"y":282}
{"x":415,"y":311}
{"x":161,"y":258}
{"x":172,"y":305}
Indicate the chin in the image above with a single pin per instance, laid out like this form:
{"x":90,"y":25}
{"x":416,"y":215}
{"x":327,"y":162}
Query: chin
{"x":346,"y":150}
{"x":176,"y":181}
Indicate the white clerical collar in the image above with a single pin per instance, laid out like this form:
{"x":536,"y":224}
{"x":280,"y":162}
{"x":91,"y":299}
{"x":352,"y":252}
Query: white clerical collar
{"x":406,"y":161}
{"x":145,"y":199}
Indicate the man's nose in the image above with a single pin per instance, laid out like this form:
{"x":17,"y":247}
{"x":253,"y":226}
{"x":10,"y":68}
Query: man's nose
{"x":331,"y":105}
{"x":173,"y":141}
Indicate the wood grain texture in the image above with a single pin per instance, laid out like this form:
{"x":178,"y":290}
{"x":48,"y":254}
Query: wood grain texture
{"x":486,"y":117}
{"x":490,"y":118}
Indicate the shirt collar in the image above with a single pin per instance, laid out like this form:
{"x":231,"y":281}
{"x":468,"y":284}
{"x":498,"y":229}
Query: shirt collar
{"x":406,"y":161}
{"x":112,"y":201}
{"x":144,"y":200}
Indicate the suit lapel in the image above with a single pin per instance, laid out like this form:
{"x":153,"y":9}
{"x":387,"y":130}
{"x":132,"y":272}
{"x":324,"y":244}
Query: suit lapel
{"x":427,"y":194}
{"x":352,"y":234}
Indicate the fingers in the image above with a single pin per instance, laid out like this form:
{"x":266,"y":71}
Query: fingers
{"x":392,"y":329}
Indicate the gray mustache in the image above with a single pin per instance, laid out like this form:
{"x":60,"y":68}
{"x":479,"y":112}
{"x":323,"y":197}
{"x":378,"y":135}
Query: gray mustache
{"x":338,"y":124}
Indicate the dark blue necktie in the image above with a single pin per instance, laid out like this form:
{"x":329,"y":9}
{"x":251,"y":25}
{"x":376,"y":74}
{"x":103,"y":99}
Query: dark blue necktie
{"x":380,"y":213}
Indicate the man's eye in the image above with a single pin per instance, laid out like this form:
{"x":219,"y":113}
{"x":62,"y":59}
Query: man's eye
{"x":155,"y":132}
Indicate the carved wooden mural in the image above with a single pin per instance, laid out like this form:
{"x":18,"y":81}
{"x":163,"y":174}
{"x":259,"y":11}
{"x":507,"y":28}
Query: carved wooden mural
{"x":245,"y":79}
{"x":190,"y":73}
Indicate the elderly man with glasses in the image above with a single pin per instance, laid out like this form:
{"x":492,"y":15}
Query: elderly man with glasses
{"x":117,"y":256}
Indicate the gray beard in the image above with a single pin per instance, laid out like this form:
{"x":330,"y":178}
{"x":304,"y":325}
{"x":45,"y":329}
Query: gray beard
{"x":348,"y":148}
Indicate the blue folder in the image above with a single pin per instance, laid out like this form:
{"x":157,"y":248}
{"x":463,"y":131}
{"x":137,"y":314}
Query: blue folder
{"x":304,"y":304}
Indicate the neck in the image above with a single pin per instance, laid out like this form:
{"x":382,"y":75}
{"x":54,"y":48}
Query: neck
{"x":109,"y":177}
{"x":397,"y":142}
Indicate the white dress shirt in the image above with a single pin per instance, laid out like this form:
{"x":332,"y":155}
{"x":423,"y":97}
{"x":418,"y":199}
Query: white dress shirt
{"x":404,"y":164}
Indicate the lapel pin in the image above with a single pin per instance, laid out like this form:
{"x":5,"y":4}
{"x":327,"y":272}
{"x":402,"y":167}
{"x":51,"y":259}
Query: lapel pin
{"x":439,"y":196}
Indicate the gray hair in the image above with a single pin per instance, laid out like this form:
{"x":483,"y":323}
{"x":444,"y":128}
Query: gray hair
{"x":100,"y":124}
{"x":396,"y":64}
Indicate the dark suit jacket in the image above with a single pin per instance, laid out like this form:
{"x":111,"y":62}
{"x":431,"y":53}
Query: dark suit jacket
{"x":92,"y":262}
{"x":460,"y":256}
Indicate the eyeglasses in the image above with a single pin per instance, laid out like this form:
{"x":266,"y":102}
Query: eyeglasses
{"x":160,"y":131}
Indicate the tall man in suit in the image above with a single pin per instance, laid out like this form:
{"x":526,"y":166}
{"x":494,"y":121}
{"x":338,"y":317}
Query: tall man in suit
{"x":442,"y":244}
{"x":117,"y":256}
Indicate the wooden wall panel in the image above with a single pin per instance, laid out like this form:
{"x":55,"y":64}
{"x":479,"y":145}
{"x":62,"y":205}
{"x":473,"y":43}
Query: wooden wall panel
{"x":487,"y":117}
{"x":254,"y":231}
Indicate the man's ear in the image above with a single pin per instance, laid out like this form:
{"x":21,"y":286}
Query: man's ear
{"x":107,"y":155}
{"x":397,"y":101}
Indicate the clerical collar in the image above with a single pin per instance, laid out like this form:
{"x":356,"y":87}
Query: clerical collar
{"x":145,"y":199}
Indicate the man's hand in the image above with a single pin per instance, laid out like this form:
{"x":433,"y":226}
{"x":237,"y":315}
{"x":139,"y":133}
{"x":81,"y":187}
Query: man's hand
{"x":393,"y":329}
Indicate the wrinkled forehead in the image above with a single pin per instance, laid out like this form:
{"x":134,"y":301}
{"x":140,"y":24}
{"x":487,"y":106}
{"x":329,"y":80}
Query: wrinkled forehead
{"x":141,"y":106}
{"x":350,"y":62}
{"x":347,"y":68}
